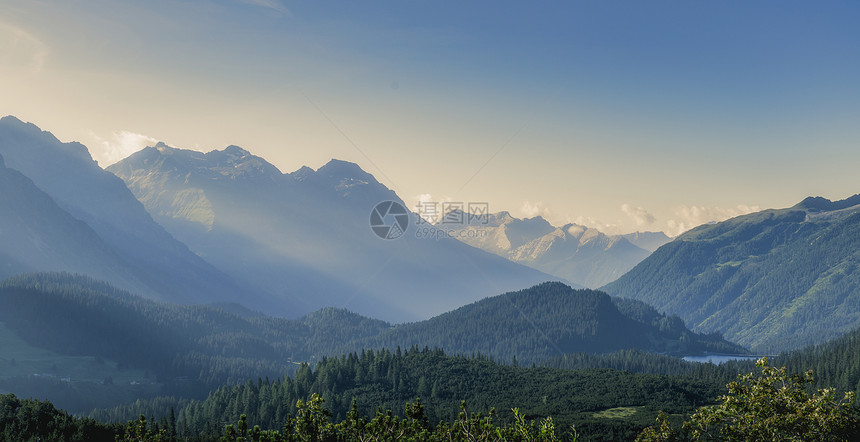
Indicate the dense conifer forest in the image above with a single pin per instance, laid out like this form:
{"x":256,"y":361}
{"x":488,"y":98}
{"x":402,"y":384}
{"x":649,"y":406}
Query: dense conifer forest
{"x":197,"y":369}
{"x":189,"y":350}
{"x":392,"y":379}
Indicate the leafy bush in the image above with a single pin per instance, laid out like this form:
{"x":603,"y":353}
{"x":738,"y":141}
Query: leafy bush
{"x":773,"y":405}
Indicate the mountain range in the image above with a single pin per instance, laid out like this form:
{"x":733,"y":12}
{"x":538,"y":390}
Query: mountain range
{"x":174,"y":272}
{"x":772,"y":280}
{"x":576,"y":253}
{"x":229,"y":227}
{"x":306,"y":237}
{"x":36,"y":234}
{"x":67,"y":214}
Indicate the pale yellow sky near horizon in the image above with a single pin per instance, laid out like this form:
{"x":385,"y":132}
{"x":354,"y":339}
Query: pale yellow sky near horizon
{"x":579,"y":113}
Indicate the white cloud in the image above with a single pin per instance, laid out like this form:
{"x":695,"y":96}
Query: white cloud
{"x":639,"y":215}
{"x":120,"y":145}
{"x":687,"y":217}
{"x":594,"y":223}
{"x":429,"y":207}
{"x":423,"y":198}
{"x":584,"y":221}
{"x":531,"y":210}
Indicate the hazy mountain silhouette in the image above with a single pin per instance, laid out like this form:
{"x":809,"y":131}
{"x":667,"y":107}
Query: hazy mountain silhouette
{"x":306,"y":236}
{"x":38,"y":235}
{"x":155,"y":264}
{"x":579,"y":254}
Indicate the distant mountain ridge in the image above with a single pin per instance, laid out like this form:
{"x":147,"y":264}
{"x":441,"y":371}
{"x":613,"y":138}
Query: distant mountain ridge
{"x":38,"y":235}
{"x":152,"y":262}
{"x":579,"y":254}
{"x":772,"y":280}
{"x":305,"y":236}
{"x":817,"y":203}
{"x":649,"y":241}
{"x":228,"y":227}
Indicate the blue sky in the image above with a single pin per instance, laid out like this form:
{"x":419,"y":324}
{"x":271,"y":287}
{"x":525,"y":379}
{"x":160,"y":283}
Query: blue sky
{"x":619,"y":115}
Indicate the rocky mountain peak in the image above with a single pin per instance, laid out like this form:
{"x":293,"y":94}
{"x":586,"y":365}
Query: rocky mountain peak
{"x":344,"y":170}
{"x":820,"y":204}
{"x":302,"y":174}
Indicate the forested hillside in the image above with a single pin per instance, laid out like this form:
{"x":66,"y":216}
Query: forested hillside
{"x":29,"y":419}
{"x":79,"y":316}
{"x":242,"y":359}
{"x":187,"y":350}
{"x":773,"y":280}
{"x":552,"y":319}
{"x":390,"y":380}
{"x":835,"y":363}
{"x":603,"y":404}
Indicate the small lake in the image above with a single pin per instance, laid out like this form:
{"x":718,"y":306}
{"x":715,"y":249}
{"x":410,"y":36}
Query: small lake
{"x":718,"y":359}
